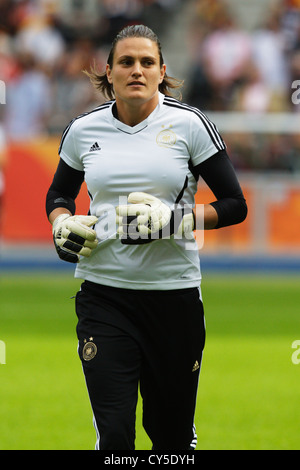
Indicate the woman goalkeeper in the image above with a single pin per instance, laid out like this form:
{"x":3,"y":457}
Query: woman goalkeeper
{"x":140,"y":312}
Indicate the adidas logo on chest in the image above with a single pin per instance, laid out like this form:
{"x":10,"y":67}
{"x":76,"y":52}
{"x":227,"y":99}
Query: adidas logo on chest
{"x":95,"y":147}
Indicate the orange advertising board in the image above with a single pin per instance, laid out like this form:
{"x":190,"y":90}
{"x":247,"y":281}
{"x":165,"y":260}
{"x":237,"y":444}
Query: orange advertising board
{"x":28,"y":175}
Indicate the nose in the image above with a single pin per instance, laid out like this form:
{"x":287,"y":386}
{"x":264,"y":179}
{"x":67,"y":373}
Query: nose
{"x":137,"y":69}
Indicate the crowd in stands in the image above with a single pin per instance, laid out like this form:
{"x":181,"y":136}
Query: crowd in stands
{"x":244,"y":70}
{"x":45,"y":45}
{"x":248,"y":71}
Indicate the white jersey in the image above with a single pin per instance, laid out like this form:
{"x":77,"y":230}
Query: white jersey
{"x":156,"y":157}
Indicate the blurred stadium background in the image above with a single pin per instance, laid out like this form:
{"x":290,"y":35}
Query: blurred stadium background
{"x":240,"y":61}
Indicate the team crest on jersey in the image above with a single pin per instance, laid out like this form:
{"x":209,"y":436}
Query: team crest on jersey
{"x":166,"y":138}
{"x":89,"y":350}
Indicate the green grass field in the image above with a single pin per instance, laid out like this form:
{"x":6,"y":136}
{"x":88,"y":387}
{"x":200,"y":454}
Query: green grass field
{"x":249,"y":387}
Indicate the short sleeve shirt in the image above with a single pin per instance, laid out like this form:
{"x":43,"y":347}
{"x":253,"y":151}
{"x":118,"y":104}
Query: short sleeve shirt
{"x":156,"y":156}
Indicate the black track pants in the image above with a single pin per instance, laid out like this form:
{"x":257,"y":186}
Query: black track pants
{"x":152,"y":338}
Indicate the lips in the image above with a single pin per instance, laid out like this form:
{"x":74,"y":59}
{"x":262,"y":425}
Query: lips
{"x":136,"y":83}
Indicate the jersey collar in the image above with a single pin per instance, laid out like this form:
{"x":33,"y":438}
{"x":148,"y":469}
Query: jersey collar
{"x":142,"y":125}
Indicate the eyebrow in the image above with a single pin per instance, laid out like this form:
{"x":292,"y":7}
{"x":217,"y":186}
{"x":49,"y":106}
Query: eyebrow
{"x":122,"y":57}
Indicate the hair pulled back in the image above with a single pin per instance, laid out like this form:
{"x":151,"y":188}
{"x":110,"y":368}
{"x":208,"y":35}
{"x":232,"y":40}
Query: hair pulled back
{"x":99,"y":79}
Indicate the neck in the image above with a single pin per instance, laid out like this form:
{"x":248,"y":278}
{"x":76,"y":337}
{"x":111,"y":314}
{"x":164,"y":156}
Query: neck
{"x":133,"y":113}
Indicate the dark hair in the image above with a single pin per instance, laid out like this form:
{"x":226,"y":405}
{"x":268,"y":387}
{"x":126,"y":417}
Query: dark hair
{"x":99,"y":79}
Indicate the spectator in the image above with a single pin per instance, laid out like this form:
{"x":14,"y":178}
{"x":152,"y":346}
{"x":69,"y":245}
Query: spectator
{"x":270,"y":58}
{"x":28,"y":101}
{"x":7,"y":60}
{"x":225,"y":54}
{"x":253,"y":95}
{"x":208,"y":17}
{"x":37,"y":36}
{"x":162,"y":9}
{"x":72,"y":93}
{"x":118,"y":13}
{"x":79,"y":19}
{"x":289,"y":11}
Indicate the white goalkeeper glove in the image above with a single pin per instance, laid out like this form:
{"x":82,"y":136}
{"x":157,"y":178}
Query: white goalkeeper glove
{"x":73,"y":236}
{"x":147,"y":218}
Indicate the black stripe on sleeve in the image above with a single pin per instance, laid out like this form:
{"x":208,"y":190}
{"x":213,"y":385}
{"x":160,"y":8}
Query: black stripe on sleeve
{"x":208,"y":124}
{"x":65,"y":132}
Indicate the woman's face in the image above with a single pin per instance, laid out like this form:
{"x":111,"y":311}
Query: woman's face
{"x":136,"y":72}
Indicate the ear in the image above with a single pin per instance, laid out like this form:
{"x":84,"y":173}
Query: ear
{"x":162,"y":73}
{"x":109,"y":73}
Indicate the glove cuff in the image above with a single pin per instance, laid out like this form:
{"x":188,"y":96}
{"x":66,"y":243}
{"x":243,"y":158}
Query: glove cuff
{"x":187,"y":225}
{"x":60,"y":218}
